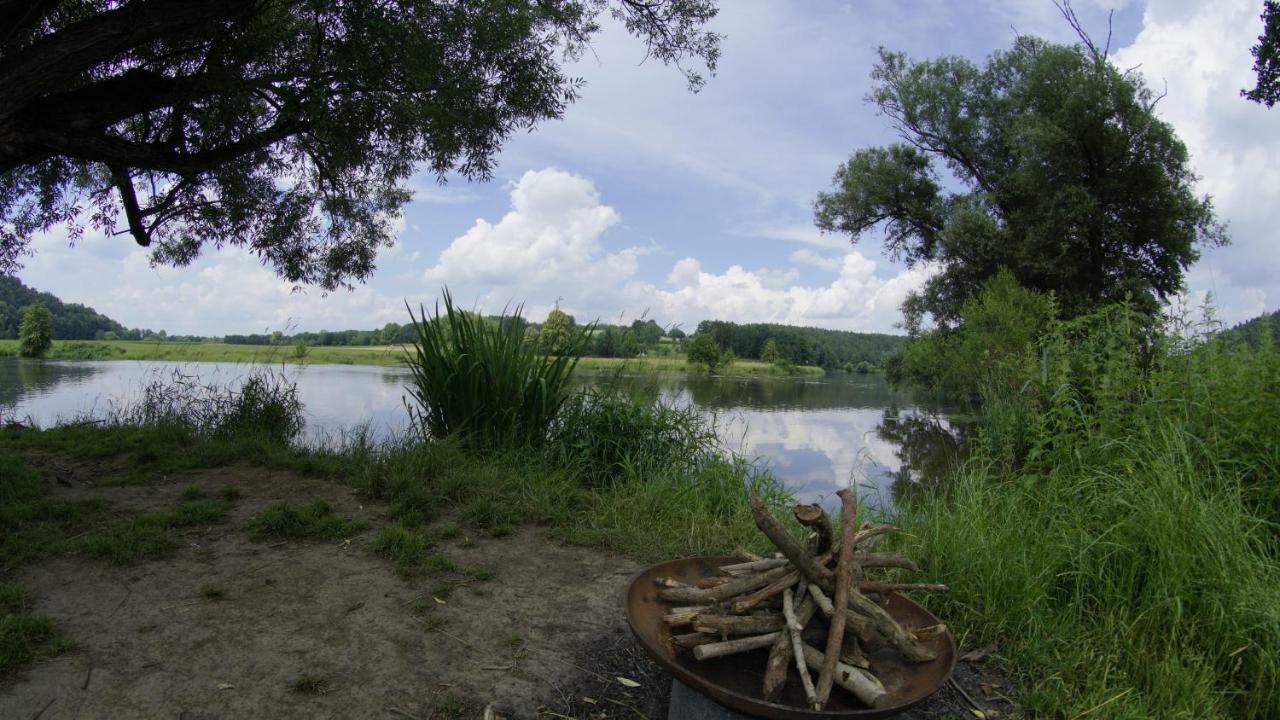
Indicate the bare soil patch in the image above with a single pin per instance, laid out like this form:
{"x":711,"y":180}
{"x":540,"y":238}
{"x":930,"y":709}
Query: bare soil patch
{"x":228,"y":628}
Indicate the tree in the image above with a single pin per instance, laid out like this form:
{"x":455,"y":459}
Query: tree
{"x":630,"y":346}
{"x":1068,"y":179}
{"x":1266,"y":57}
{"x":283,"y":127}
{"x":556,"y":332}
{"x":390,"y":334}
{"x":648,"y":333}
{"x":35,"y":336}
{"x":769,"y":353}
{"x":704,"y":351}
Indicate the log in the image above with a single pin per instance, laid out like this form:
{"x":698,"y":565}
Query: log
{"x":861,"y":683}
{"x":737,"y":624}
{"x":886,"y":559}
{"x":773,"y":589}
{"x":815,"y":518}
{"x":862,"y":539}
{"x":737,"y":586}
{"x":794,"y":628}
{"x":739,"y":645}
{"x":755,"y":566}
{"x":775,"y":670}
{"x":857,"y":624}
{"x":783,"y":540}
{"x":666,"y":582}
{"x":884,"y":588}
{"x":689,"y":641}
{"x":845,"y":569}
{"x":745,"y":555}
{"x":684,"y":615}
{"x":710,"y":582}
{"x":897,"y":636}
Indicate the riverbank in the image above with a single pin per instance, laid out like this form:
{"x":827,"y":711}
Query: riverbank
{"x":151,"y":552}
{"x":381,"y":355}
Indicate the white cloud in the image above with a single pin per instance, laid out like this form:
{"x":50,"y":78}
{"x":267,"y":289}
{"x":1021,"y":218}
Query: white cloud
{"x":1199,"y":53}
{"x":804,"y":256}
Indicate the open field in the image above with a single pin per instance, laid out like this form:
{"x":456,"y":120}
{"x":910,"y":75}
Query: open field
{"x":387,"y":355}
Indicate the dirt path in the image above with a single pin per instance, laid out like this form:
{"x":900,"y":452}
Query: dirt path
{"x":227,"y":628}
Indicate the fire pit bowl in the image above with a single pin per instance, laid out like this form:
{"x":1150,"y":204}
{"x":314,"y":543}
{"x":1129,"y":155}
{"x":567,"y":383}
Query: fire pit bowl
{"x":735,"y":680}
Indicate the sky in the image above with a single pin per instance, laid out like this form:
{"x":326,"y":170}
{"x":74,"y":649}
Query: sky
{"x":647,"y":200}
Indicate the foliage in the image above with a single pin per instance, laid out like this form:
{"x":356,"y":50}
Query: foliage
{"x":265,"y":406}
{"x":703,"y":351}
{"x":991,"y":340}
{"x":70,"y":321}
{"x":1258,"y":332}
{"x":300,"y":349}
{"x":1069,"y":181}
{"x":313,"y":521}
{"x":277,"y":126}
{"x":1114,"y":527}
{"x":556,"y":334}
{"x":647,"y":332}
{"x":1266,"y":57}
{"x":769,"y":353}
{"x":825,"y":348}
{"x":479,"y":381}
{"x":35,"y":335}
{"x":604,"y":437}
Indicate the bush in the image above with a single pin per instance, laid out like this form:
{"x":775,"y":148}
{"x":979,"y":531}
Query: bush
{"x":264,"y":407}
{"x":35,"y":335}
{"x":478,"y":380}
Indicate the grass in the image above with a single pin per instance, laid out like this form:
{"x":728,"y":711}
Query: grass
{"x":152,"y":535}
{"x":24,"y":636}
{"x":313,"y":521}
{"x":1114,"y":530}
{"x":310,"y":684}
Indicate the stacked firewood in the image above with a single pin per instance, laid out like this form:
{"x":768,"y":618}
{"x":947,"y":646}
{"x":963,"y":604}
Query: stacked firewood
{"x":781,"y":603}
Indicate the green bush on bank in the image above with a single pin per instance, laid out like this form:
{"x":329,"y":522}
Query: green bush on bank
{"x":1114,"y":528}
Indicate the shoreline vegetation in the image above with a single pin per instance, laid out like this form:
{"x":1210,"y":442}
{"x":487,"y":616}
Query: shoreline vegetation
{"x":1110,"y":538}
{"x":379,"y":355}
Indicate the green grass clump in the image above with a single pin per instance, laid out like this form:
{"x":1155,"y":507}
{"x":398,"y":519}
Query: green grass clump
{"x":313,"y":521}
{"x":1114,"y":529}
{"x":479,"y":380}
{"x":310,"y":684}
{"x":151,"y":535}
{"x":33,"y":526}
{"x":24,"y":637}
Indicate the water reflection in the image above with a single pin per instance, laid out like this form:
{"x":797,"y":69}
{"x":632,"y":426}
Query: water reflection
{"x":816,"y":435}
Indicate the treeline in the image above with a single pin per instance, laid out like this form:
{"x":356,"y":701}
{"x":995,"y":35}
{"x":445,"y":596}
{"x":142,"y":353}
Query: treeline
{"x":830,"y":349}
{"x":71,"y":321}
{"x":1261,"y":331}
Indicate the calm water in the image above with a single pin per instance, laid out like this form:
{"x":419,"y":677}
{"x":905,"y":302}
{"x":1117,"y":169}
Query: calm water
{"x":814,"y":434}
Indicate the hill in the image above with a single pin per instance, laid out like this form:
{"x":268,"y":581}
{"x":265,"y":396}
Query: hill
{"x":1252,"y":332}
{"x":71,"y":321}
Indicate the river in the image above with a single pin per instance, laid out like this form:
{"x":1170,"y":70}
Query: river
{"x":815,"y":434}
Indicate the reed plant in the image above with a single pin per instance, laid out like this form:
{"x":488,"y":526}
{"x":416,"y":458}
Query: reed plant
{"x":478,"y":380}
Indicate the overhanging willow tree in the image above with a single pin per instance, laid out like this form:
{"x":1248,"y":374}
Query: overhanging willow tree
{"x":283,"y":126}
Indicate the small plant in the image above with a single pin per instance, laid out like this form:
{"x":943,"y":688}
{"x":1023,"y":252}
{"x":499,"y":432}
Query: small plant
{"x":35,"y":334}
{"x":478,"y":380}
{"x":230,"y":493}
{"x":24,"y":637}
{"x":314,"y":521}
{"x":300,"y":349}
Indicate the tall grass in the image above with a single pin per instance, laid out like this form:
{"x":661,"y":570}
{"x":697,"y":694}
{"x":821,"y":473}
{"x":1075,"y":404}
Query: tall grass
{"x":1114,"y":529}
{"x":479,"y":381}
{"x":264,"y":406}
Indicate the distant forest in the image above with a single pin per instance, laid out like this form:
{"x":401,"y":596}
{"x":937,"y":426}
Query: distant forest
{"x":71,"y":321}
{"x":1255,"y":332}
{"x":803,"y":345}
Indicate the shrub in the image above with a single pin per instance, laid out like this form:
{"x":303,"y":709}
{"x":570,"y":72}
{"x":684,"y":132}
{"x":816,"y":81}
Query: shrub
{"x":35,"y":334}
{"x":479,"y":381}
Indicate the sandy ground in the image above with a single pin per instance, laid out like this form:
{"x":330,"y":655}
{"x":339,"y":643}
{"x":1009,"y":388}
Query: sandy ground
{"x":226,"y":628}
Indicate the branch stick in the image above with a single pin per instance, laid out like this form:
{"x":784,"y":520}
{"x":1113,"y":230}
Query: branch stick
{"x":775,"y":671}
{"x":737,"y":625}
{"x":844,"y":568}
{"x":732,"y":647}
{"x":861,"y":683}
{"x":755,"y":566}
{"x":797,"y":647}
{"x":721,"y":592}
{"x":783,"y":540}
{"x":884,"y":588}
{"x":815,"y":518}
{"x":745,"y":555}
{"x":766,"y":592}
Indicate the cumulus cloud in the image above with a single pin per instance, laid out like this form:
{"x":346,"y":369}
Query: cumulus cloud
{"x":1198,"y":53}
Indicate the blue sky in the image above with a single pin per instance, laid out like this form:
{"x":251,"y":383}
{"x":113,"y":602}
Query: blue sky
{"x":647,"y":198}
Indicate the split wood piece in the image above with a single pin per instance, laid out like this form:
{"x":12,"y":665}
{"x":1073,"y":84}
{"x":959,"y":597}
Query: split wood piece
{"x":815,"y":518}
{"x":737,"y":624}
{"x":845,"y":569}
{"x":862,"y":540}
{"x":783,"y":540}
{"x":666,"y":582}
{"x":886,"y":559}
{"x":884,"y":624}
{"x":721,"y":592}
{"x":693,"y":640}
{"x":684,"y":615}
{"x":855,"y":623}
{"x":768,"y":591}
{"x":928,"y":632}
{"x":745,"y":555}
{"x":861,"y":683}
{"x":755,"y":566}
{"x":797,"y":647}
{"x":775,"y":670}
{"x":732,"y":647}
{"x":884,"y":588}
{"x":710,"y":582}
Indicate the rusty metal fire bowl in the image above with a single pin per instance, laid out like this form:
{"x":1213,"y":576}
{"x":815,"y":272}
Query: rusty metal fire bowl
{"x":735,"y":681}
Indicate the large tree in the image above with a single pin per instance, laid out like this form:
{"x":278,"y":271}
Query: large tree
{"x":284,"y":126}
{"x":1046,"y":160}
{"x":1266,"y":57}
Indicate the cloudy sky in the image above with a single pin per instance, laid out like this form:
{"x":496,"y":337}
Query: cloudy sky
{"x":647,"y":199}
